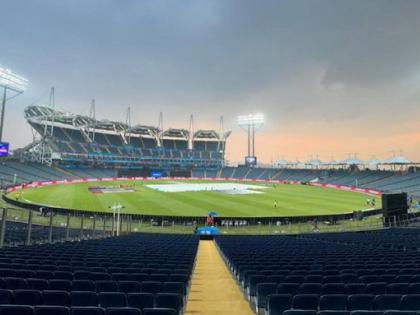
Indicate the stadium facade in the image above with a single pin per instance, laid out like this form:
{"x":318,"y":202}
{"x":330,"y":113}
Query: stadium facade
{"x":62,"y":138}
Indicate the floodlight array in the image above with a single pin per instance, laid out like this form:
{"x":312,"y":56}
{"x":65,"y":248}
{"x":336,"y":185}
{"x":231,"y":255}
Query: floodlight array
{"x":251,"y":120}
{"x":12,"y":81}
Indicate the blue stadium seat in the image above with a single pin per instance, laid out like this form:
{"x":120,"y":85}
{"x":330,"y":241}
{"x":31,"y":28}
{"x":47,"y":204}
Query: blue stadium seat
{"x":168,"y":300}
{"x":299,"y":312}
{"x":51,"y":310}
{"x":397,"y":288}
{"x":151,"y":287}
{"x":122,"y":311}
{"x":263,"y":290}
{"x":13,"y":283}
{"x":336,"y":302}
{"x":129,"y":286}
{"x":332,"y":279}
{"x":401,"y":313}
{"x":44,"y":274}
{"x":310,"y":288}
{"x":369,"y":279}
{"x":403,"y":278}
{"x":175,"y":287}
{"x":410,"y":302}
{"x":83,"y":298}
{"x":313,"y":279}
{"x":59,"y":285}
{"x":177,"y":278}
{"x":87,"y":311}
{"x":140,"y":300}
{"x":63,"y":275}
{"x":6,"y":296}
{"x":158,"y":311}
{"x":376,"y":288}
{"x":161,"y":277}
{"x":140,"y":277}
{"x":366,"y":313}
{"x":414,"y":288}
{"x":100,"y":276}
{"x":81,"y":275}
{"x":16,"y":310}
{"x":306,"y":301}
{"x":37,"y":284}
{"x":27,"y":297}
{"x":360,"y":302}
{"x":106,"y":286}
{"x":83,"y":285}
{"x":112,"y":299}
{"x":349,"y":278}
{"x":355,"y":288}
{"x":331,"y":312}
{"x":288,"y":288}
{"x":121,"y":276}
{"x":57,"y":298}
{"x":278,"y":303}
{"x":253,"y":281}
{"x":294,"y":279}
{"x":333,"y":288}
{"x":387,"y":302}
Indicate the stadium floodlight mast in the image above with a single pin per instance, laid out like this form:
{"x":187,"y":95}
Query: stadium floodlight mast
{"x":10,"y":82}
{"x":251,"y":123}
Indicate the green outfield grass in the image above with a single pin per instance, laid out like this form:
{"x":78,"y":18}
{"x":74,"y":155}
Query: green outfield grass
{"x":292,"y":200}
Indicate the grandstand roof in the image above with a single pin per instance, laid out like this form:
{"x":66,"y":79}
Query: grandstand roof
{"x":176,"y":133}
{"x":374,"y":161}
{"x":400,"y":159}
{"x":144,"y":130}
{"x":332,"y":162}
{"x":110,"y":125}
{"x":206,"y":135}
{"x":352,"y":161}
{"x":314,"y":162}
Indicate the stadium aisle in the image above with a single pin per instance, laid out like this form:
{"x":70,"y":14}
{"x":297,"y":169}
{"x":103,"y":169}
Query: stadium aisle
{"x":213,"y":290}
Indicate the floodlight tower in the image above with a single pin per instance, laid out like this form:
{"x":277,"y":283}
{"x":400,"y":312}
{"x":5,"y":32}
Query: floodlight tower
{"x":251,"y":123}
{"x":13,"y":83}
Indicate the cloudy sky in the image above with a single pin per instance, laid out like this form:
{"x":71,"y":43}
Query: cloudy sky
{"x":332,"y":77}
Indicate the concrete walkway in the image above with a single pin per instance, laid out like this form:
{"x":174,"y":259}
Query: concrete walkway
{"x":213,"y":290}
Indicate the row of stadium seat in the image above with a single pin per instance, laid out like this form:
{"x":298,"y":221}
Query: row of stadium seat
{"x":335,"y":288}
{"x":61,"y":310}
{"x":87,"y":275}
{"x":278,"y":303}
{"x":309,"y":312}
{"x":308,"y":264}
{"x":97,"y":286}
{"x":86,"y":298}
{"x":139,"y":271}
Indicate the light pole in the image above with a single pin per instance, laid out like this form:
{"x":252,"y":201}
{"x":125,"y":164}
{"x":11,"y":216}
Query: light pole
{"x":10,"y":82}
{"x":251,"y":123}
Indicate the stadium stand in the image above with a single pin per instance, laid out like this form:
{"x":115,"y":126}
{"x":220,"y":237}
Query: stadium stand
{"x":134,"y":274}
{"x":13,"y":171}
{"x":16,"y":233}
{"x":74,"y":140}
{"x":346,"y":272}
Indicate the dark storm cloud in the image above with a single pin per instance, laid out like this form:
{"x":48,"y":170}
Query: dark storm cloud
{"x":294,"y":60}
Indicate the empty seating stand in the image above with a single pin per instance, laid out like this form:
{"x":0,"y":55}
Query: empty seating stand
{"x":135,"y":274}
{"x":338,"y":273}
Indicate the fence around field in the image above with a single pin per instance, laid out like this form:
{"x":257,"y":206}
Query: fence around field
{"x":25,"y":227}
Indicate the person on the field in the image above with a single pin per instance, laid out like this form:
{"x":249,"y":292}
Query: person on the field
{"x":275,"y":203}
